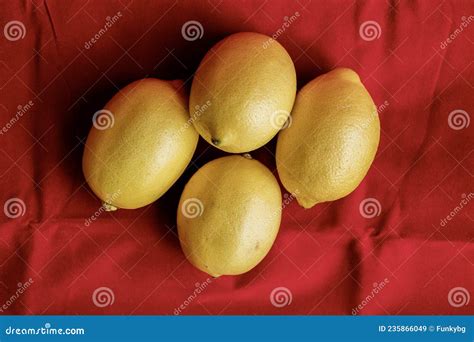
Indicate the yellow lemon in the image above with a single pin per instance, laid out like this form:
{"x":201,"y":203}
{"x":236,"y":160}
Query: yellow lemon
{"x":140,"y":144}
{"x":229,"y":215}
{"x":247,"y":84}
{"x":332,"y":140}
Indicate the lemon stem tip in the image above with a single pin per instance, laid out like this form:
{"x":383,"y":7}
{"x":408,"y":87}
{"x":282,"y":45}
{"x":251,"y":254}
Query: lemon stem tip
{"x":108,"y":206}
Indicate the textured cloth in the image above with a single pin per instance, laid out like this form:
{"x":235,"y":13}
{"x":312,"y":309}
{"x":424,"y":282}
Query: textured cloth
{"x":401,"y":243}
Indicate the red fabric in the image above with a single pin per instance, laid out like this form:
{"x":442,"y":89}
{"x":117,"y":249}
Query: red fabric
{"x":328,"y":257}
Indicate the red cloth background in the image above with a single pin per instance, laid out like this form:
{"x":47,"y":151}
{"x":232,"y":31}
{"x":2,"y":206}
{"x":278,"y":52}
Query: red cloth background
{"x":328,"y":257}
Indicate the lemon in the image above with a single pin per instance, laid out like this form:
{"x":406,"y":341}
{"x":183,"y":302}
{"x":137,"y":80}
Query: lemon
{"x":332,"y":140}
{"x":229,"y":215}
{"x":139,"y":145}
{"x":247,"y":84}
